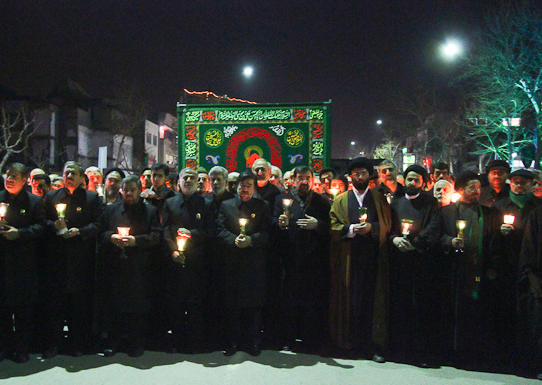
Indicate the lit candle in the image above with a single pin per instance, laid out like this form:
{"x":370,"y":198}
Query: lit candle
{"x":243,"y":222}
{"x":455,"y":197}
{"x":123,"y":231}
{"x":406,"y":224}
{"x":509,"y":219}
{"x":334,"y":192}
{"x":286,"y":205}
{"x":100,"y":189}
{"x":388,"y":197}
{"x":460,"y":227}
{"x":3,"y":210}
{"x":61,"y":210}
{"x":182,"y":238}
{"x":362,"y":211}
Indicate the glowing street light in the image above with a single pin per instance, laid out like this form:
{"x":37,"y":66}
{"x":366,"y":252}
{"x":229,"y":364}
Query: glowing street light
{"x":248,"y":71}
{"x":353,"y":143}
{"x":379,"y":122}
{"x":451,"y":49}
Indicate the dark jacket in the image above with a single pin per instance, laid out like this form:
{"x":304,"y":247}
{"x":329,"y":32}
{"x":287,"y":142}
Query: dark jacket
{"x":19,"y":258}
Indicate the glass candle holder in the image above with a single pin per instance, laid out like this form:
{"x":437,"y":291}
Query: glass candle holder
{"x":362,"y":212}
{"x":123,"y":232}
{"x":61,"y":210}
{"x":406,"y":224}
{"x":3,"y":210}
{"x":509,"y":219}
{"x":460,"y":224}
{"x":243,"y":223}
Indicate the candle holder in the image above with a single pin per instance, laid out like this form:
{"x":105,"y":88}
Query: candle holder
{"x":455,"y":197}
{"x":61,"y":210}
{"x":3,"y":211}
{"x":334,"y":192}
{"x":100,"y":190}
{"x":388,"y":197}
{"x":509,"y":219}
{"x":406,"y":224}
{"x":123,"y":232}
{"x":460,"y":224}
{"x":243,"y":223}
{"x":286,"y":206}
{"x":182,"y":238}
{"x":362,"y":212}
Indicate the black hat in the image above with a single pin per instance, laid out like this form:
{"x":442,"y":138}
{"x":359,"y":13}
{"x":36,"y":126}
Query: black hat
{"x":109,"y":171}
{"x":361,"y":163}
{"x":497,"y":163}
{"x":247,"y":174}
{"x":522,"y":172}
{"x":418,"y":170}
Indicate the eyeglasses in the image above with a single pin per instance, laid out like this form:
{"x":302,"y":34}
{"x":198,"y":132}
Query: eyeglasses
{"x":359,"y":174}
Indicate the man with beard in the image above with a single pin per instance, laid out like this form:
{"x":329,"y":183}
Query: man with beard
{"x":94,"y":177}
{"x":497,"y":174}
{"x":276,"y":177}
{"x":232,"y":182}
{"x":71,"y":262}
{"x":443,"y":191}
{"x":218,"y":177}
{"x":20,"y":230}
{"x":413,"y":311}
{"x":244,"y":264}
{"x":304,"y":237}
{"x":389,"y":187}
{"x":275,"y":270}
{"x":113,"y":179}
{"x":187,"y":214}
{"x":159,"y":192}
{"x":471,"y":261}
{"x":360,"y":222}
{"x":124,"y":270}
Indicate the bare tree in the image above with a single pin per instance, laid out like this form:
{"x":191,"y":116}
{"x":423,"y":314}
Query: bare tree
{"x":16,"y":132}
{"x":504,"y":76}
{"x":388,"y":149}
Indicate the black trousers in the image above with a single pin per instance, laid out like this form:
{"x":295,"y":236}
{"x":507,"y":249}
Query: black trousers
{"x":16,"y":328}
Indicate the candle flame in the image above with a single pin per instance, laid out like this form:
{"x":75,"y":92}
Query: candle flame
{"x":123,"y":231}
{"x":509,"y":219}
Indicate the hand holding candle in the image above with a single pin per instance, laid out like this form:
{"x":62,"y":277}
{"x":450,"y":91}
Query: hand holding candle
{"x":406,"y":224}
{"x":61,"y":210}
{"x":507,"y":227}
{"x":362,"y":212}
{"x":182,"y":239}
{"x":3,"y":212}
{"x":334,"y":192}
{"x":243,"y":223}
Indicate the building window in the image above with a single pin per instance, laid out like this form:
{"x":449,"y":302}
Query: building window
{"x":149,"y":138}
{"x":154,"y":140}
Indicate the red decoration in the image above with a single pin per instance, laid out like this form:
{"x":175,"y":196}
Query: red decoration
{"x":317,"y":165}
{"x":253,"y":132}
{"x":317,"y":131}
{"x":300,"y":114}
{"x":191,"y":132}
{"x":191,"y":163}
{"x":208,"y":115}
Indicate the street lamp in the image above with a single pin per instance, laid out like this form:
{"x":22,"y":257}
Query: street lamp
{"x":451,"y":49}
{"x":379,"y":122}
{"x":248,"y":71}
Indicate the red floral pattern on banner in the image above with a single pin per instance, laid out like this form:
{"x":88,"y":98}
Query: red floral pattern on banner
{"x":300,"y":114}
{"x":253,"y":132}
{"x":317,"y":165}
{"x":191,"y":163}
{"x":191,"y":132}
{"x":317,"y":131}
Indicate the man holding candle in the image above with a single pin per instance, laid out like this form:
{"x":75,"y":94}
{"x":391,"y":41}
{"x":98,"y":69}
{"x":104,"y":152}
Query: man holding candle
{"x":71,"y":262}
{"x":187,"y":273}
{"x":360,"y":266}
{"x":21,"y":226}
{"x":124,"y":281}
{"x":497,"y":173}
{"x":245,"y":260}
{"x":94,"y":176}
{"x":413,"y":266}
{"x":470,"y":259}
{"x":302,"y":216}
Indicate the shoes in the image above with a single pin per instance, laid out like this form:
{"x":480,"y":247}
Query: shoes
{"x":50,"y":353}
{"x":378,"y":358}
{"x":135,"y":352}
{"x":20,"y":357}
{"x":254,"y":350}
{"x":230,"y":350}
{"x":109,"y":352}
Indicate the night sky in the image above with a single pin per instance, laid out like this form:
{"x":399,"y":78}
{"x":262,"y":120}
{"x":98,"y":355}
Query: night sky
{"x":356,"y":53}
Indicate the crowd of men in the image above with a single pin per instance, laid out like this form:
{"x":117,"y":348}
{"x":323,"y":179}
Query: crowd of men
{"x":424,"y":268}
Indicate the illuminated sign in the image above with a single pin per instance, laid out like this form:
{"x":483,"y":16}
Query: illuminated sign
{"x":234,"y":136}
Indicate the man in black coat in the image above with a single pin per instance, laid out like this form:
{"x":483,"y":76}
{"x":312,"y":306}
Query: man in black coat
{"x":469,"y":256}
{"x":245,"y":262}
{"x":187,"y":214}
{"x":71,"y":262}
{"x":124,"y":266}
{"x":412,"y":266}
{"x":497,"y":173}
{"x":21,"y":226}
{"x":303,"y":218}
